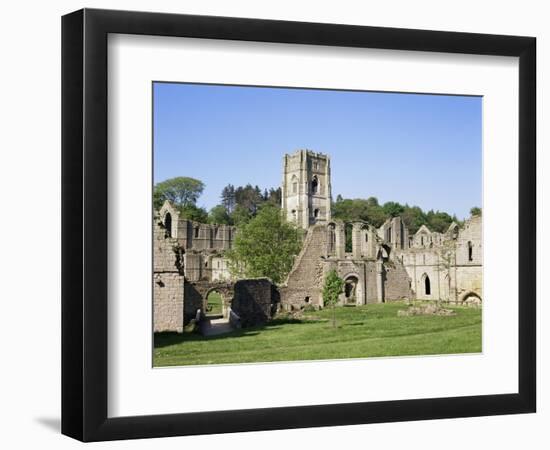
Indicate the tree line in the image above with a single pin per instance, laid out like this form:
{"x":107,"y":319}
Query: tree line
{"x":369,"y":210}
{"x":238,"y":204}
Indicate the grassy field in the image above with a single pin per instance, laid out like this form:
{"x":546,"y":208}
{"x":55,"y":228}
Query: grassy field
{"x":365,"y":331}
{"x":214,"y":302}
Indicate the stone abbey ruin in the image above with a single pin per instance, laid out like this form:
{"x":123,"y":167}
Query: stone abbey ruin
{"x":382,"y":264}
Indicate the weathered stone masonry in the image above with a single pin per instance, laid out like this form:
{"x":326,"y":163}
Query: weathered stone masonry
{"x":382,"y":264}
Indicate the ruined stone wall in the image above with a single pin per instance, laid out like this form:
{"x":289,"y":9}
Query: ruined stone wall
{"x":196,"y":294}
{"x":397,"y":282}
{"x":470,"y":236}
{"x":469,"y":281}
{"x":454,"y":267}
{"x":255,"y":301}
{"x":203,"y":236}
{"x":168,"y":292}
{"x":304,"y":282}
{"x":350,"y":270}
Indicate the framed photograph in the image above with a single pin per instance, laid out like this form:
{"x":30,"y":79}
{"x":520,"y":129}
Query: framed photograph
{"x":272,"y":224}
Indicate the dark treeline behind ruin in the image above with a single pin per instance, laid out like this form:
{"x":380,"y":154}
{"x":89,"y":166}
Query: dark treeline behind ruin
{"x":239,"y":204}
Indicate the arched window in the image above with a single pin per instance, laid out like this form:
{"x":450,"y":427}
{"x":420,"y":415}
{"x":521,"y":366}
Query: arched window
{"x":366,"y":237}
{"x":348,"y":232}
{"x":421,"y":240}
{"x":316,"y":213}
{"x":427,"y":287}
{"x":294,"y":184}
{"x":470,"y":251}
{"x":315,"y":185}
{"x":294,"y":215}
{"x":168,"y":224}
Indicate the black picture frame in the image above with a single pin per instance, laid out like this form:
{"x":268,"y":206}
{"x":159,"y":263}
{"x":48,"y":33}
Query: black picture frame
{"x":84,"y":224}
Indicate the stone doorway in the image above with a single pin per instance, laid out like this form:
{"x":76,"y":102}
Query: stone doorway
{"x":351,"y":290}
{"x":214,"y":304}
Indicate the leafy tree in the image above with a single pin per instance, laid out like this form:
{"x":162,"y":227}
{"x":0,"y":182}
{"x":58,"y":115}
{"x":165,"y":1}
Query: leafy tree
{"x":249,"y":197}
{"x":241,"y":215}
{"x":393,"y":209}
{"x":413,"y":218}
{"x":339,"y":198}
{"x":372,"y":201}
{"x":475,"y":211}
{"x":334,"y":286}
{"x":350,"y":210}
{"x":180,"y":191}
{"x":274,"y":197}
{"x":218,"y":214}
{"x":438,"y":221}
{"x":193,"y":212}
{"x":228,"y":198}
{"x":265,"y":247}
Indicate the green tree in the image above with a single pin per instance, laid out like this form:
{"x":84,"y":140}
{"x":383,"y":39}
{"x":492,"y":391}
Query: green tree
{"x":241,"y":215}
{"x":393,"y":209}
{"x":414,"y":218}
{"x":193,"y":212}
{"x":265,"y":246}
{"x":334,"y":286}
{"x":218,"y":214}
{"x":249,"y":197}
{"x":180,"y":191}
{"x":475,"y":211}
{"x":438,"y":221}
{"x":228,"y":198}
{"x":351,"y":210}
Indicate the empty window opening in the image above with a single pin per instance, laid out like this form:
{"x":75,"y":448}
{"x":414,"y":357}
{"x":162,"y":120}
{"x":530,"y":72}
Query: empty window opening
{"x":314,"y":185}
{"x":427,"y":287}
{"x":316,"y":213}
{"x":168,"y":224}
{"x":348,"y":231}
{"x":470,"y":251}
{"x":196,"y":232}
{"x":214,"y":304}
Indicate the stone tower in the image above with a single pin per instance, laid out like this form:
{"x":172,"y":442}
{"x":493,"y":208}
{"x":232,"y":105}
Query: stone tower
{"x":306,"y":191}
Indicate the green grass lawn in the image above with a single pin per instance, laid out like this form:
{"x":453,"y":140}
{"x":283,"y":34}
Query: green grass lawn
{"x":214,"y":304}
{"x":365,"y":331}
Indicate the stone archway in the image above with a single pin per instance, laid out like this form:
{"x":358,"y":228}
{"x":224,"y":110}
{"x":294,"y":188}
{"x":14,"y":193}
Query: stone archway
{"x":353,"y":290}
{"x":196,"y":295}
{"x":471,"y":299}
{"x":214,"y":304}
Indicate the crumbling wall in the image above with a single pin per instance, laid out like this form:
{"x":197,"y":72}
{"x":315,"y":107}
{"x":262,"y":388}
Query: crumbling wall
{"x":255,"y":301}
{"x":303,"y":285}
{"x":168,"y":292}
{"x":397,"y":283}
{"x":197,"y":292}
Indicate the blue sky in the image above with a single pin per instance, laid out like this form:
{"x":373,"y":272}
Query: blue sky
{"x":418,"y":149}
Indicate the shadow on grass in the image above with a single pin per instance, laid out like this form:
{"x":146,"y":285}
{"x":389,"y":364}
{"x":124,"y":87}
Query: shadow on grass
{"x":168,"y":338}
